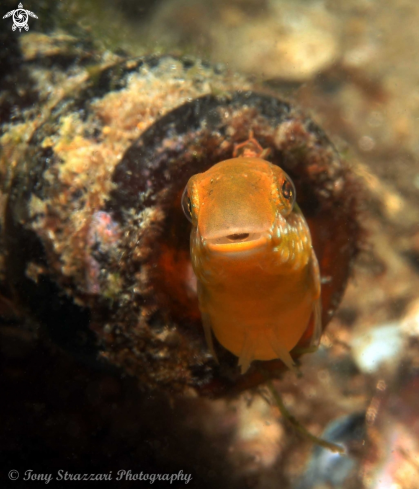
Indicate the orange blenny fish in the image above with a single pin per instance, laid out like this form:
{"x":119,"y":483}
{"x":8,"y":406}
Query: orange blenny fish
{"x":258,"y":275}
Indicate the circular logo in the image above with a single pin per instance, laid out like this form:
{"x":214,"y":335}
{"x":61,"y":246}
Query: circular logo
{"x":13,"y":475}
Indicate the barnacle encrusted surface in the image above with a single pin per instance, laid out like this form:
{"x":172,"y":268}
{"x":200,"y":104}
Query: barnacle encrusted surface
{"x":96,"y":244}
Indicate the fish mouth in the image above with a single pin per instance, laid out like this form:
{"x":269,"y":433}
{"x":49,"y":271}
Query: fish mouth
{"x":238,"y":241}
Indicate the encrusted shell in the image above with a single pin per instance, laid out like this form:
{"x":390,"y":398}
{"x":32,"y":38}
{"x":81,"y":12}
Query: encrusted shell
{"x":97,"y":247}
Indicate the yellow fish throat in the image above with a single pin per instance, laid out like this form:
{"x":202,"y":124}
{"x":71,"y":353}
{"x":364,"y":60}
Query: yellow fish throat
{"x":258,"y":276}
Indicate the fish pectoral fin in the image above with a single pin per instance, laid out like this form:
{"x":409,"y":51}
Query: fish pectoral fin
{"x":247,"y":354}
{"x":206,"y":322}
{"x":317,"y":316}
{"x":282,"y":353}
{"x":314,"y":341}
{"x":314,"y":270}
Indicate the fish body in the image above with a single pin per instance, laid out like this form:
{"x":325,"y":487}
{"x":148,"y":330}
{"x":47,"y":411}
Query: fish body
{"x":251,"y":250}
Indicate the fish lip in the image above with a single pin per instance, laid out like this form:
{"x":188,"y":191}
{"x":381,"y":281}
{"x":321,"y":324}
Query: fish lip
{"x":254,"y":244}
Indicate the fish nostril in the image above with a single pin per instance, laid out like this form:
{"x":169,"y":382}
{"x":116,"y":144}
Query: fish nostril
{"x":238,"y":237}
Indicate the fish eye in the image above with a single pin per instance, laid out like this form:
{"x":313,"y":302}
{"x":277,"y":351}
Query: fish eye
{"x":288,"y":191}
{"x":187,"y":204}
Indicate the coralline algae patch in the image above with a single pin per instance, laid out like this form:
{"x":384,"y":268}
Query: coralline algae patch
{"x":102,"y":239}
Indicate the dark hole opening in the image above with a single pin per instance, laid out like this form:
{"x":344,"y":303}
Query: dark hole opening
{"x":236,"y":237}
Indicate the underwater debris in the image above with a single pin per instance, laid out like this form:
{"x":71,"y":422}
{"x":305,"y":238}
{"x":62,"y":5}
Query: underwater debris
{"x":335,"y":470}
{"x":93,"y":203}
